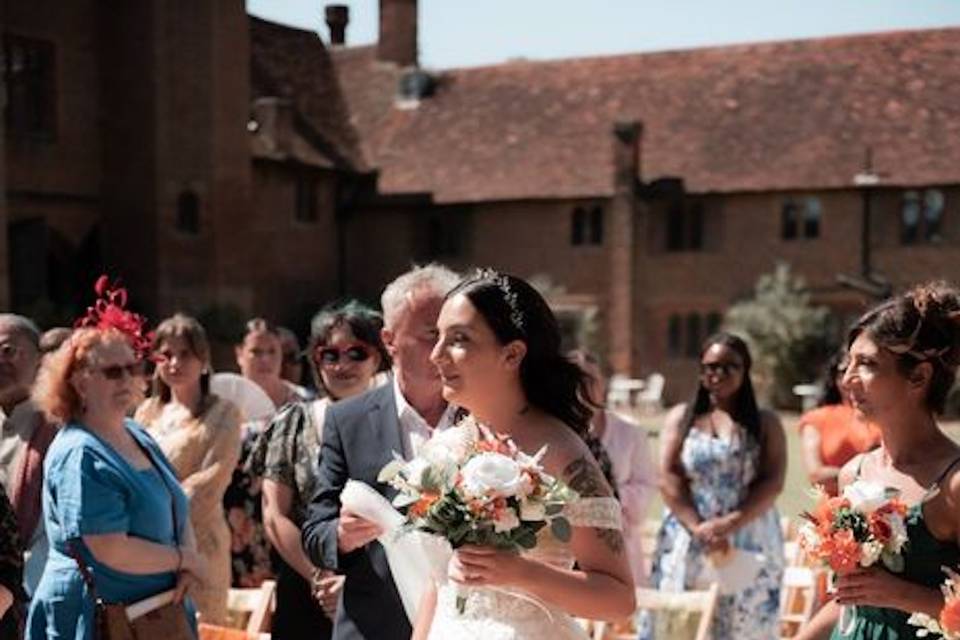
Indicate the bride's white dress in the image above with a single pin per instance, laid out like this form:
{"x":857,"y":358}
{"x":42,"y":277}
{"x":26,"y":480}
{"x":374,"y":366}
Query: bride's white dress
{"x":509,"y":614}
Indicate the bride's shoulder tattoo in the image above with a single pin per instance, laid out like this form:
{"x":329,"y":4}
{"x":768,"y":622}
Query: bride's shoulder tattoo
{"x":583,"y":476}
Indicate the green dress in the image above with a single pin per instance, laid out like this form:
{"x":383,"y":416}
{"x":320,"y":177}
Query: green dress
{"x":923,"y":556}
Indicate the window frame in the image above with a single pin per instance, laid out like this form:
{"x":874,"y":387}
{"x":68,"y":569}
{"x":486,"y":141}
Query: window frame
{"x":41,"y":100}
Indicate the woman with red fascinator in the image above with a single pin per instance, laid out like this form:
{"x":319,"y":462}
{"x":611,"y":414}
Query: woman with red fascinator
{"x":114,"y":513}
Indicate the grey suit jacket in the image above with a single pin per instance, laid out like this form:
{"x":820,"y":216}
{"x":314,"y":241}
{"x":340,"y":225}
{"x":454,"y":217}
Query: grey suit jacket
{"x":359,"y":437}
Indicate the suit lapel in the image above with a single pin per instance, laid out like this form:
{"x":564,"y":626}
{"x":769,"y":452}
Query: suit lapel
{"x":384,"y":428}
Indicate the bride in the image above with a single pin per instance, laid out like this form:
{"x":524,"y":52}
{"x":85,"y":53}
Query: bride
{"x":499,"y":357}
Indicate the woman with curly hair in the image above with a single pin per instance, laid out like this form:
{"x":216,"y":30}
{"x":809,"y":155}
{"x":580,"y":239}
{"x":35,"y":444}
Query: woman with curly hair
{"x":115,"y":515}
{"x":902,"y":359}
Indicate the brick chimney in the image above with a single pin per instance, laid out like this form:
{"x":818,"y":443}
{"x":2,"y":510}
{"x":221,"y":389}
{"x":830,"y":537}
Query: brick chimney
{"x":398,"y":32}
{"x":337,"y":16}
{"x":623,"y":326}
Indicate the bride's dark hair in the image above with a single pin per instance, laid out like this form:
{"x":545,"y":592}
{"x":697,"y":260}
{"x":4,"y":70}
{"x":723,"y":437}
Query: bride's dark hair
{"x":515,"y":311}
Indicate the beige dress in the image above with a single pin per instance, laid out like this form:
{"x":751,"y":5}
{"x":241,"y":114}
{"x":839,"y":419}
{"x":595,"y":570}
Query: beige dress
{"x":204,"y":451}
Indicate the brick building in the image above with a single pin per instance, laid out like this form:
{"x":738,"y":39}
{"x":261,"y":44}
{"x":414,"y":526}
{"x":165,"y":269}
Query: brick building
{"x":650,"y":190}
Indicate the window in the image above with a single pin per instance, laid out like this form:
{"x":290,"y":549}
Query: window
{"x":579,"y":227}
{"x":695,"y":226}
{"x":444,"y":235}
{"x":686,"y":333}
{"x":596,"y":226}
{"x":674,"y":337}
{"x":910,"y":217}
{"x":306,"y":204}
{"x":693,"y":335}
{"x":685,"y":224}
{"x":932,"y":214}
{"x":188,"y":213}
{"x":676,"y":222}
{"x":714,"y":320}
{"x":788,"y":215}
{"x":28,"y":74}
{"x":800,"y":218}
{"x":586,"y":227}
{"x":811,"y":218}
{"x":921,"y":216}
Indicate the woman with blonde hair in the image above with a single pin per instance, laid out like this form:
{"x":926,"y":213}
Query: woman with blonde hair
{"x":114,"y":512}
{"x":200,"y":435}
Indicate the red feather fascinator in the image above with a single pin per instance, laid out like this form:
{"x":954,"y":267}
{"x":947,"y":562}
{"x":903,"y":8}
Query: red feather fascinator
{"x":109,"y":312}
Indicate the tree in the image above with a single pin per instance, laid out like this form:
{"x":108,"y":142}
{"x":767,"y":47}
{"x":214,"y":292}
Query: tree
{"x":789,"y":337}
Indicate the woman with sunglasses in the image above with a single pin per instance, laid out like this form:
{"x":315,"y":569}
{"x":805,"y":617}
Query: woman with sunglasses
{"x":346,"y":354}
{"x":200,"y":435}
{"x":833,"y":433}
{"x":722,"y":467}
{"x":114,"y":512}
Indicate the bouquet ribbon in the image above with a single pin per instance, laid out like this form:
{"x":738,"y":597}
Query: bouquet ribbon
{"x":415,"y":557}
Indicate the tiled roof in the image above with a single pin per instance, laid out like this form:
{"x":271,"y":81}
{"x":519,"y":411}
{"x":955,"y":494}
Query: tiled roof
{"x":293,"y":63}
{"x":771,"y":116}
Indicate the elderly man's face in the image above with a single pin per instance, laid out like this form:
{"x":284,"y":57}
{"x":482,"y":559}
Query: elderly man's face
{"x":410,"y":341}
{"x":19,"y":359}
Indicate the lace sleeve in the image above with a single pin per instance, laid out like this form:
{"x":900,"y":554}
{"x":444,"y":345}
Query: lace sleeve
{"x":598,"y":513}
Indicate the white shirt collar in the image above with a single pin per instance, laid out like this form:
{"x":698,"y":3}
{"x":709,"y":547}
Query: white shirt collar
{"x":413,"y":428}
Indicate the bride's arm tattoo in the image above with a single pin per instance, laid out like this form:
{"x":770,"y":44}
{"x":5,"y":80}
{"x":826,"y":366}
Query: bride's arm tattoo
{"x":584,"y":477}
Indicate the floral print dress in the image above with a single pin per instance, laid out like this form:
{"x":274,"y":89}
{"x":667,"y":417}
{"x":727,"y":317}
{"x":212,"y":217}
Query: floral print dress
{"x":250,"y":562}
{"x":719,"y":472}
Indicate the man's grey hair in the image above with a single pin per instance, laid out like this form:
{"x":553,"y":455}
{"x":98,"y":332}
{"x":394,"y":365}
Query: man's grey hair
{"x":431,"y":278}
{"x":22,"y":326}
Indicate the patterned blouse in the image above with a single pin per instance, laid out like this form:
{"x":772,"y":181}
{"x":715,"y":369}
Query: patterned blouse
{"x":288,"y":451}
{"x":11,"y":569}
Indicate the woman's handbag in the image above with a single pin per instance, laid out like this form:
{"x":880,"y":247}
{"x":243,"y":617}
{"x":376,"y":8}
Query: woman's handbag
{"x":152,"y":618}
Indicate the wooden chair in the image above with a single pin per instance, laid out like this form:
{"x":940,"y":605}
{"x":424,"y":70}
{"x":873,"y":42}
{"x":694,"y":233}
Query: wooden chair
{"x":251,"y":609}
{"x":213,"y":632}
{"x":701,"y":603}
{"x":798,"y":598}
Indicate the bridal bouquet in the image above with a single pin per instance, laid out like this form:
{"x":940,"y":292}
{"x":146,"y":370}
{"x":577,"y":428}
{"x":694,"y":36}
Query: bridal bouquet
{"x":862,"y":526}
{"x":470,"y":486}
{"x":947,"y":624}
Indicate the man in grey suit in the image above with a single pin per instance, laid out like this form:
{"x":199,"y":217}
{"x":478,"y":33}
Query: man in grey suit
{"x":359,"y":437}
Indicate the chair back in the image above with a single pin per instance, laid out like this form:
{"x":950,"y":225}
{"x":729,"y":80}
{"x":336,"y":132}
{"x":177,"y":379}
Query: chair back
{"x":798,"y":598}
{"x":250,"y":609}
{"x":680,"y":606}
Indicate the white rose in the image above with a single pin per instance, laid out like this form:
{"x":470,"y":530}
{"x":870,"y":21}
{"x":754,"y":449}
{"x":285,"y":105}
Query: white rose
{"x":508,"y":521}
{"x":898,"y":533}
{"x":449,"y":446}
{"x":532,"y":511}
{"x":871,"y":553}
{"x":865,"y":496}
{"x":492,"y":474}
{"x":809,"y":537}
{"x":414,"y":471}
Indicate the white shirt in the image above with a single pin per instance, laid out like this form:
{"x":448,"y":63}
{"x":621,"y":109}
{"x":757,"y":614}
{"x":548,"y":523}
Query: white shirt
{"x":414,"y":430}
